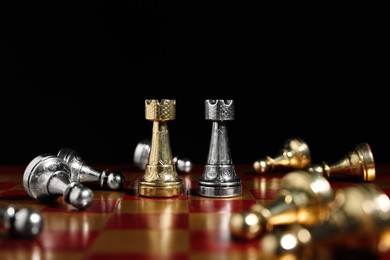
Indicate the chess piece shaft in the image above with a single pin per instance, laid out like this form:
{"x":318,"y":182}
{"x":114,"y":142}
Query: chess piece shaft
{"x":358,"y":164}
{"x":160,"y":178}
{"x":142,"y":153}
{"x":295,"y":154}
{"x":47,"y":177}
{"x":302,"y":198}
{"x":21,"y":222}
{"x":219,"y":178}
{"x":81,"y":172}
{"x":356,"y":212}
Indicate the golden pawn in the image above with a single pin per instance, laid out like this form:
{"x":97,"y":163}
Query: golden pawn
{"x":295,"y":154}
{"x":160,"y":178}
{"x":302,"y":198}
{"x":357,"y":213}
{"x":357,"y":164}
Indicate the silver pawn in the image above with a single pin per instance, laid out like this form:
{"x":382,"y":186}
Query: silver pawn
{"x":21,"y":222}
{"x":142,"y":152}
{"x":81,"y":172}
{"x":47,"y":177}
{"x":219,"y":178}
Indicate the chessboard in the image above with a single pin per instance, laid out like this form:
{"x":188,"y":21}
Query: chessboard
{"x":123,"y":225}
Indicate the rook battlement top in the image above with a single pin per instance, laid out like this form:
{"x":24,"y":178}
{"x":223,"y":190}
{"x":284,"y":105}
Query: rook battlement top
{"x":163,"y":110}
{"x":219,"y":109}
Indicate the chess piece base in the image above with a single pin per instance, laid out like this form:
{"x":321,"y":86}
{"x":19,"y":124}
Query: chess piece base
{"x":160,"y":181}
{"x":222,"y":192}
{"x":168,"y":190}
{"x":219,"y":181}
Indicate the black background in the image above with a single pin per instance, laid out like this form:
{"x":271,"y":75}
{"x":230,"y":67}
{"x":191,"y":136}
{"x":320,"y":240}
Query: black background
{"x":77,"y":75}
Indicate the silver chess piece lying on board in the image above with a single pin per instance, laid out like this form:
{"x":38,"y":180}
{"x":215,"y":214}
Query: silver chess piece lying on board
{"x":47,"y":177}
{"x":22,"y":223}
{"x":81,"y":172}
{"x":142,"y":153}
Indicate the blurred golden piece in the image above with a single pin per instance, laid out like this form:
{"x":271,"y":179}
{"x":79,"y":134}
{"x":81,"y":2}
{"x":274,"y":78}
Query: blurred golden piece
{"x":357,"y":212}
{"x":294,"y":154}
{"x":302,"y":198}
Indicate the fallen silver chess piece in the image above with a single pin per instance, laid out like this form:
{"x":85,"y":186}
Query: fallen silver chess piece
{"x":81,"y":172}
{"x":47,"y":177}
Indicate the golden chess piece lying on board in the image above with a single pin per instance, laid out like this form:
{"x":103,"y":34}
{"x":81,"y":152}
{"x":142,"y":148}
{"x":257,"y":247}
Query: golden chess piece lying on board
{"x":142,"y":153}
{"x":21,"y":222}
{"x":358,"y":164}
{"x":294,"y":154}
{"x":357,"y":212}
{"x":160,"y":178}
{"x":81,"y":172}
{"x":47,"y":177}
{"x":302,"y":198}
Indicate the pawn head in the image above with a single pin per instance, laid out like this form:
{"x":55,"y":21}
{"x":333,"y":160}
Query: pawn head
{"x":261,"y":166}
{"x":23,"y":223}
{"x":115,"y":180}
{"x":78,"y":195}
{"x":248,"y":224}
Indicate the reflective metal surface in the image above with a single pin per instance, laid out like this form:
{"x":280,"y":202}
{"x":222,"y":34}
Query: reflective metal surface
{"x":294,"y":154}
{"x":358,"y":212}
{"x":358,"y":164}
{"x":21,"y":222}
{"x":81,"y":172}
{"x":160,"y":178}
{"x":77,"y":173}
{"x":142,"y":153}
{"x":219,"y":178}
{"x":302,"y":198}
{"x":47,"y":177}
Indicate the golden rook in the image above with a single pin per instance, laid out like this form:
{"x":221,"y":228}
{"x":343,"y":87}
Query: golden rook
{"x":160,"y":178}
